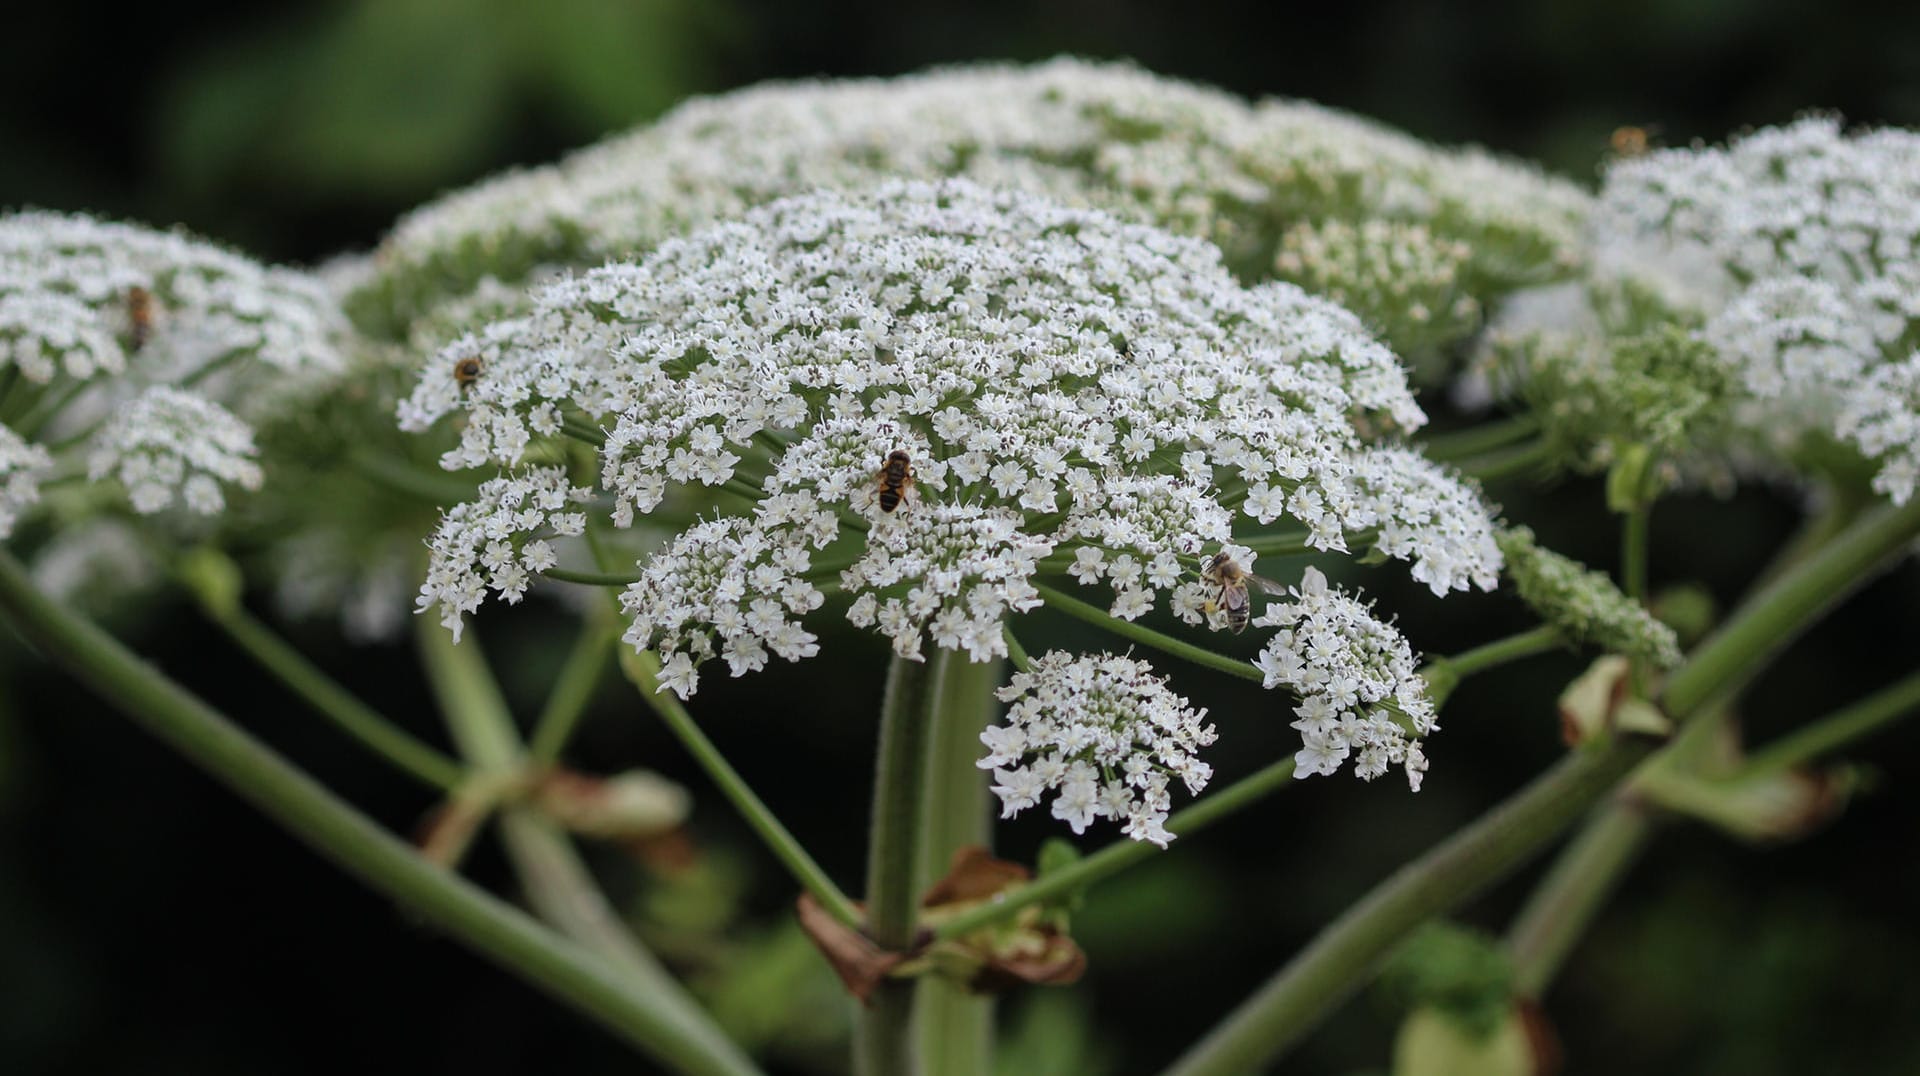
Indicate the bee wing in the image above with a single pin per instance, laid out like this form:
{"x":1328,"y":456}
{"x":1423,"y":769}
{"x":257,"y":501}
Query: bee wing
{"x":1266,"y":586}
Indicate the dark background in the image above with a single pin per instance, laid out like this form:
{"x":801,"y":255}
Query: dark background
{"x":149,"y":923}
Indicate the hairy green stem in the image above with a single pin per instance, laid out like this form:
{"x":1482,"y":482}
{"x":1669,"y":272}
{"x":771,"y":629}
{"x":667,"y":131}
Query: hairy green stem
{"x":643,"y":670}
{"x":953,"y":1028}
{"x":1572,"y":893}
{"x":883,"y":1041}
{"x":1348,"y":952}
{"x":1146,"y":636}
{"x":665,"y":1024}
{"x":333,"y":702}
{"x":1122,"y":854}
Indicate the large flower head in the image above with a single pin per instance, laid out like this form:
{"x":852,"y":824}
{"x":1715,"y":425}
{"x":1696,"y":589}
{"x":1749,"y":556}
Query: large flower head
{"x":147,"y":357}
{"x":1188,"y":158}
{"x":1073,"y":395}
{"x":1791,"y":256}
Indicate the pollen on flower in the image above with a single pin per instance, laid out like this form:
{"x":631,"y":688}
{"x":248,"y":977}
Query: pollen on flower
{"x":167,"y":446}
{"x":1361,"y":694}
{"x":1104,"y":735}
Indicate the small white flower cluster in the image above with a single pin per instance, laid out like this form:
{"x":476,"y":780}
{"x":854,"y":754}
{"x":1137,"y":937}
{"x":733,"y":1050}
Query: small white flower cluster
{"x":1361,"y":693}
{"x":1109,"y":136}
{"x":1104,"y":735}
{"x":1883,"y":418}
{"x":166,"y":445}
{"x":151,"y":353}
{"x":1799,"y":248}
{"x":1069,"y":388}
{"x":498,"y":540}
{"x":23,"y":465}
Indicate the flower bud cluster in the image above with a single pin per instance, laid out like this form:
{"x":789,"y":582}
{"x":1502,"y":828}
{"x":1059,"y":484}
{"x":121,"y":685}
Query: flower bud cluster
{"x":1584,"y":604}
{"x":1101,"y":733}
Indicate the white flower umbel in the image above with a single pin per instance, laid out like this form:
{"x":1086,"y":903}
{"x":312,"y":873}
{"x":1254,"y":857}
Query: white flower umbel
{"x":167,"y":445}
{"x":1104,"y":735}
{"x":23,"y":465}
{"x":154,"y":353}
{"x":498,"y":541}
{"x":1796,"y":250}
{"x":80,"y":296}
{"x":1069,"y":388}
{"x":1110,"y":136}
{"x":1362,"y":697}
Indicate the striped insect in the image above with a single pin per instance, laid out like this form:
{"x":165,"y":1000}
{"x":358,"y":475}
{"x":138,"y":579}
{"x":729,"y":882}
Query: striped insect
{"x":895,"y":478}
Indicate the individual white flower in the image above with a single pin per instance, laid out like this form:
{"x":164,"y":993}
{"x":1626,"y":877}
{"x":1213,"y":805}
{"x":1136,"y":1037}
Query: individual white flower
{"x":168,"y":446}
{"x":1110,"y":136}
{"x":1072,"y":391}
{"x":1105,"y":735}
{"x":23,"y":465}
{"x":497,"y":541}
{"x":1362,"y":697}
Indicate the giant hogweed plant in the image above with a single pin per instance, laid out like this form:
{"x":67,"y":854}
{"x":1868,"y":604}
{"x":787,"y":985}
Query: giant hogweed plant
{"x":1127,"y":342}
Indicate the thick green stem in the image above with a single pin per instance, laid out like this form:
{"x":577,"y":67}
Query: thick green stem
{"x":1146,"y":636}
{"x":1120,"y":855}
{"x":664,"y":1024}
{"x":953,"y":1028}
{"x":333,"y":702}
{"x":883,"y":1043}
{"x":1784,"y":607}
{"x":1560,"y":909}
{"x":643,"y":670}
{"x":1347,"y":953}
